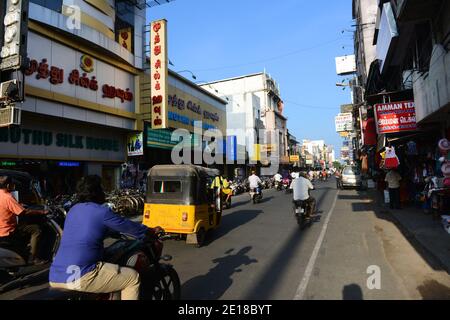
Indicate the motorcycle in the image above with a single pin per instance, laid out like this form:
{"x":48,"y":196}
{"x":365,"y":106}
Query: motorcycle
{"x":256,"y":195}
{"x":278,"y":185}
{"x":300,"y":210}
{"x":159,"y":281}
{"x":15,"y":272}
{"x":286,"y":182}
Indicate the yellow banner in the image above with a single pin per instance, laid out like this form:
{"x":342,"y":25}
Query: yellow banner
{"x":294,"y":158}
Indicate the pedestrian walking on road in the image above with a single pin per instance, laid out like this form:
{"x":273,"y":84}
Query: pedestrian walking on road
{"x":393,"y":182}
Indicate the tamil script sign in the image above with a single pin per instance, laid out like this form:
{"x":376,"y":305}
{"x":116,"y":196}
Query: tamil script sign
{"x":344,"y":122}
{"x":159,"y":74}
{"x":395,"y":117}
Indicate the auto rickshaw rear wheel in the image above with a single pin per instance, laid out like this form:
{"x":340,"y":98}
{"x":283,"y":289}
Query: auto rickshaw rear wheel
{"x":201,"y":235}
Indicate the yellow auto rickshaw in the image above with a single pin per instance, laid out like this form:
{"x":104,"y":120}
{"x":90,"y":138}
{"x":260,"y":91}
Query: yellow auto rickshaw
{"x":180,"y":200}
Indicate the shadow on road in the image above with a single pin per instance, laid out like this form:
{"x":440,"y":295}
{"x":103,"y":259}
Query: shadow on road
{"x":218,"y":279}
{"x":266,"y":284}
{"x":352,"y":292}
{"x":266,"y":199}
{"x":231,"y":221}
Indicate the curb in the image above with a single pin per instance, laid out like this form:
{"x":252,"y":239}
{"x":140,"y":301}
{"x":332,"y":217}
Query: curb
{"x":411,"y":236}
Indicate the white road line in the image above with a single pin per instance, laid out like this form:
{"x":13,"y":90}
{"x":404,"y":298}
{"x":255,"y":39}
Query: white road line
{"x":312,"y":261}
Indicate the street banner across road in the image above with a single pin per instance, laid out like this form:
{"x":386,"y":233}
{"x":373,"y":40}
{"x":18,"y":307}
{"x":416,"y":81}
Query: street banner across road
{"x":395,"y":117}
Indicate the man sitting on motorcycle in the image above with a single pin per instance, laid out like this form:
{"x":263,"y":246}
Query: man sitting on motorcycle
{"x":278,"y":179}
{"x":224,"y":185}
{"x":254,"y":181}
{"x":78,"y":263}
{"x":10,"y":231}
{"x":301,"y":187}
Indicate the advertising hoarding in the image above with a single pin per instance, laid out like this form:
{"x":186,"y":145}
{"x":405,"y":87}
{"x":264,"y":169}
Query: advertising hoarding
{"x":135,"y":144}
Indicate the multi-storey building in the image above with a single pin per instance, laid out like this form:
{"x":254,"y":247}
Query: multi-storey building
{"x":256,"y":98}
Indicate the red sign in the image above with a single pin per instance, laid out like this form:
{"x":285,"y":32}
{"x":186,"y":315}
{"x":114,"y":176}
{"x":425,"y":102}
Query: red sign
{"x":56,"y":76}
{"x":395,"y":117}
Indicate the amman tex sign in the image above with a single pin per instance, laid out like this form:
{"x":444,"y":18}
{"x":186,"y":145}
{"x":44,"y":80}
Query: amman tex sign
{"x":395,"y":117}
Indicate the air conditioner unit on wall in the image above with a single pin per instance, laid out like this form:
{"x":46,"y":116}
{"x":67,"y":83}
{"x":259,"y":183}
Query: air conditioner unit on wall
{"x":9,"y":89}
{"x":10,"y":116}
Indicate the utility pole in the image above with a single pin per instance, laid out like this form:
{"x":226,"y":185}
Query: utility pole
{"x":13,"y":58}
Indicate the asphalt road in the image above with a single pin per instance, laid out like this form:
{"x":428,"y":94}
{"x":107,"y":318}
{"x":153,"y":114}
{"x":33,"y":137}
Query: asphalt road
{"x":259,"y":253}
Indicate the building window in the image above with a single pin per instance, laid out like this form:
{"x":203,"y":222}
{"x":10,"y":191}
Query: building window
{"x":55,"y":5}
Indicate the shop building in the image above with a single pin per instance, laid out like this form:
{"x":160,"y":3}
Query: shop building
{"x":257,"y":97}
{"x":188,"y":106}
{"x":405,"y":103}
{"x":81,"y":92}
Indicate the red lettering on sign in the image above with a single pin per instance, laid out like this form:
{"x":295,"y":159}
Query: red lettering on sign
{"x":56,"y":75}
{"x":157,"y":50}
{"x":43,"y":71}
{"x":157,"y":27}
{"x":32,"y":68}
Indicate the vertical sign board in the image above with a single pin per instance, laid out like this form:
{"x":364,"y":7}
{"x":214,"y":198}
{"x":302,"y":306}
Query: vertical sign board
{"x":14,"y":31}
{"x":159,"y":74}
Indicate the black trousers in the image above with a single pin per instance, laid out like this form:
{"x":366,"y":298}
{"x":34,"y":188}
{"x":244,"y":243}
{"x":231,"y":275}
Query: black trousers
{"x":394,"y":198}
{"x":23,"y":235}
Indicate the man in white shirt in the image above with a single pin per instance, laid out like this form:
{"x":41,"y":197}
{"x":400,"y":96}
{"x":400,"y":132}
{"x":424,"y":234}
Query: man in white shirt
{"x":254,"y":181}
{"x":393,"y":181}
{"x":301,"y":186}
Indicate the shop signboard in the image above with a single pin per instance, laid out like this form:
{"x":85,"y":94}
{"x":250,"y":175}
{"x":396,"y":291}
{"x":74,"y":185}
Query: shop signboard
{"x":68,"y":164}
{"x":135,"y":144}
{"x":395,"y":117}
{"x":159,"y":74}
{"x":46,"y":139}
{"x":344,"y":122}
{"x":162,"y":139}
{"x":294,"y":158}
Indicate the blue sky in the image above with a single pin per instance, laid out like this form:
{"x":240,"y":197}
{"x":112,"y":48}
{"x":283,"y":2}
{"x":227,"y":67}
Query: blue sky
{"x":295,"y":40}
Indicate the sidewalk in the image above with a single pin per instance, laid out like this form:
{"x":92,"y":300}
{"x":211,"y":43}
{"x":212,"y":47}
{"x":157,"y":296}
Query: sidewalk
{"x":428,"y":232}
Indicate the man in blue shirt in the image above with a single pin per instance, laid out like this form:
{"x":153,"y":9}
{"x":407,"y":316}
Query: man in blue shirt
{"x":77,"y":264}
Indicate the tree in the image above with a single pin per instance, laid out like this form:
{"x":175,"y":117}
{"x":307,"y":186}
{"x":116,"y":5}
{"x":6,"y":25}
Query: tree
{"x":337,"y":165}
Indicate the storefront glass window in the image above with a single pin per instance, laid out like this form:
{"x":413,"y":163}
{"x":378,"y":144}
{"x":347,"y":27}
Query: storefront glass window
{"x":55,"y":5}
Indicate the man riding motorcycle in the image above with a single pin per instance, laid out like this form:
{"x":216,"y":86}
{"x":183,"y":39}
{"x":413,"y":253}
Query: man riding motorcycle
{"x":278,"y":178}
{"x":10,"y":231}
{"x":77,"y":264}
{"x":224,"y":185}
{"x":301,"y":187}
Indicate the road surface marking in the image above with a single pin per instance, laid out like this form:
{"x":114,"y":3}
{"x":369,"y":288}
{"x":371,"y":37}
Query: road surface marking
{"x":312,"y":261}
